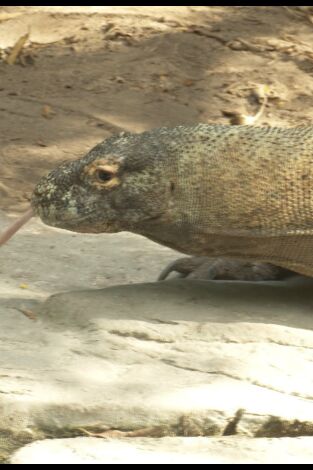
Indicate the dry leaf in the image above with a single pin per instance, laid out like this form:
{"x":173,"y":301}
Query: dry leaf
{"x":120,"y":79}
{"x":237,"y":118}
{"x":115,"y":34}
{"x":28,"y":313}
{"x":17,"y":49}
{"x":107,"y":27}
{"x":188,"y":82}
{"x":47,"y":112}
{"x":41,"y":143}
{"x":71,"y":40}
{"x":261,"y":92}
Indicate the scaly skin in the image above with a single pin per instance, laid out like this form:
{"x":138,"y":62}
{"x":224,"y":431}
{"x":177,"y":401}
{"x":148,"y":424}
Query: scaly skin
{"x":239,"y":192}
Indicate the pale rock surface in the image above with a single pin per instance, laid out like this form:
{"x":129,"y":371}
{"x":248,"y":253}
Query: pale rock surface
{"x":187,"y":358}
{"x":168,"y":450}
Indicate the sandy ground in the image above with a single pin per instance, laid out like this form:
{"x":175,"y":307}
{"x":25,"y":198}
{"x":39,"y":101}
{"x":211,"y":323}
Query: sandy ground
{"x":87,"y":72}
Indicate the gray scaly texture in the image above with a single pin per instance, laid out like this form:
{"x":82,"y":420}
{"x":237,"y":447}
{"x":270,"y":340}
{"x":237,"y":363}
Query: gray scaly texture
{"x":239,"y":192}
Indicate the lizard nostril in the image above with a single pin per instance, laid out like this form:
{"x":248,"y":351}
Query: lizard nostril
{"x":39,"y":190}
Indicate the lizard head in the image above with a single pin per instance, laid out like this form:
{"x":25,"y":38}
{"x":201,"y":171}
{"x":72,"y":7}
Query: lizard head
{"x":118,"y":185}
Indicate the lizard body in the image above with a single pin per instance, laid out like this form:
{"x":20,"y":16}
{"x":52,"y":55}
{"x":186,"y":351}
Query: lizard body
{"x":239,"y":192}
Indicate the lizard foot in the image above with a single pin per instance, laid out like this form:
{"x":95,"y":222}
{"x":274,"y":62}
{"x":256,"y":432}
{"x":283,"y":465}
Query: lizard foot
{"x":201,"y":267}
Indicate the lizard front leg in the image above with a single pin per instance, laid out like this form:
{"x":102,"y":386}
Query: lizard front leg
{"x":202,"y":267}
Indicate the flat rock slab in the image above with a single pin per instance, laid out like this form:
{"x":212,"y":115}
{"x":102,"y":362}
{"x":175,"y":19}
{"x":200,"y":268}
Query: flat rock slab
{"x":168,"y":450}
{"x":174,"y":358}
{"x":158,"y":359}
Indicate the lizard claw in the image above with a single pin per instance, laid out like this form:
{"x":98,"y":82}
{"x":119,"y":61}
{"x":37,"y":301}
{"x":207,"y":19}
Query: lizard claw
{"x":184,"y":266}
{"x":201,"y":267}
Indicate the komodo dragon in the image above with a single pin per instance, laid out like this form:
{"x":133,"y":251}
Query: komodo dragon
{"x":237,"y":192}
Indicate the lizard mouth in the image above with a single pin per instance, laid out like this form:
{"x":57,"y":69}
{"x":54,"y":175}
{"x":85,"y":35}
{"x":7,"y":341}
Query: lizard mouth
{"x":74,"y":222}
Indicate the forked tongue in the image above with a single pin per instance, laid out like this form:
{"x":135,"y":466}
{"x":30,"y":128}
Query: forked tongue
{"x":15,"y":226}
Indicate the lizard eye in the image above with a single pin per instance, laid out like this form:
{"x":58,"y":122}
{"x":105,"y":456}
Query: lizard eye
{"x":104,"y":175}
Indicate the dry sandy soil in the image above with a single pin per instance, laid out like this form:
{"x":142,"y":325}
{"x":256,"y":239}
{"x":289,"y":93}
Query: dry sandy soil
{"x":87,"y":72}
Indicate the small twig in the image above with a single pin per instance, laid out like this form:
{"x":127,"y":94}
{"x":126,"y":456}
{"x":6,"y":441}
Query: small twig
{"x":242,"y":44}
{"x":28,"y":313}
{"x":153,"y":431}
{"x":245,"y":119}
{"x":17,"y":49}
{"x":207,"y":33}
